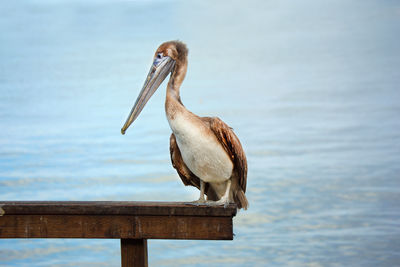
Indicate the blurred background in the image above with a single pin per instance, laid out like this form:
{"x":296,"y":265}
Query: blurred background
{"x":310,"y":87}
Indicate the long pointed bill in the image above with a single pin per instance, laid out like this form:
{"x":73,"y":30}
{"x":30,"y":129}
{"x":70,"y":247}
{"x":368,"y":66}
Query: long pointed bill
{"x":158,"y":72}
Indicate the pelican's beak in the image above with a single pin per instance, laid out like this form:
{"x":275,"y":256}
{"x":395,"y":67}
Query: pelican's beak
{"x":158,"y":72}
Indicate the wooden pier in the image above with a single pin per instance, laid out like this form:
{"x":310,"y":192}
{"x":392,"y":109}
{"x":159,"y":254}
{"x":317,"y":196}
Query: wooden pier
{"x":131,"y":222}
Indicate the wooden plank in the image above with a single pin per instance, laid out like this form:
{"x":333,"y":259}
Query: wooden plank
{"x":113,"y":208}
{"x":116,"y":226}
{"x":134,"y":253}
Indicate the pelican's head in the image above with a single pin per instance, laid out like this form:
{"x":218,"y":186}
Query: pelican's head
{"x":166,"y":57}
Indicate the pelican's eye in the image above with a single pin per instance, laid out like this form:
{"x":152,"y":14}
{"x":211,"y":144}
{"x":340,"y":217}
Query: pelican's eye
{"x":158,"y":59}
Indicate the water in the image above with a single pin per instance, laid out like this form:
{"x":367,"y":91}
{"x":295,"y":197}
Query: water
{"x":310,"y":87}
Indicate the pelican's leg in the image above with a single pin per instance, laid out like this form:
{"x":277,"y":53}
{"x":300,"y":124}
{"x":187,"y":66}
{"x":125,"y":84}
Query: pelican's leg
{"x":202,"y":186}
{"x":201,"y":199}
{"x":224,"y":200}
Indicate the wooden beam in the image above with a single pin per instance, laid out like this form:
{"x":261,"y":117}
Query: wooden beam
{"x":114,"y":208}
{"x":132,"y":220}
{"x":117,"y":226}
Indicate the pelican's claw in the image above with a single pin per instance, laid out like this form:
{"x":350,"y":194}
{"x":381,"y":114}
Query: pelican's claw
{"x":198,"y":202}
{"x":223,"y":201}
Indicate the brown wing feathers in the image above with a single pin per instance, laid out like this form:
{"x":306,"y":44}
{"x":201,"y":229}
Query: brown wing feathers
{"x":232,"y":145}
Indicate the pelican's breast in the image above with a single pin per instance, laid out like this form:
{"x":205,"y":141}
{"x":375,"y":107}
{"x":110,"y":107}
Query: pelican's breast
{"x":200,"y":149}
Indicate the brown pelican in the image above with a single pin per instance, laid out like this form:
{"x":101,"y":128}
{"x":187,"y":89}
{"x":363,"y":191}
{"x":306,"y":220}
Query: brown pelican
{"x":204,"y":150}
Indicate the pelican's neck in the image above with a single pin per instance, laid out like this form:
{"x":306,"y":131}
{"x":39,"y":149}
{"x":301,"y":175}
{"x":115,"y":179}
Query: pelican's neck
{"x":173,"y":101}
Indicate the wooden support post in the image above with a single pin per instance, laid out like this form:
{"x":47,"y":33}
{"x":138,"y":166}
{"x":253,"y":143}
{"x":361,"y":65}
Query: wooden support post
{"x":134,"y":252}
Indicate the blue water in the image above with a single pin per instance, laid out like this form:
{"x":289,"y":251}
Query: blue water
{"x":310,"y":87}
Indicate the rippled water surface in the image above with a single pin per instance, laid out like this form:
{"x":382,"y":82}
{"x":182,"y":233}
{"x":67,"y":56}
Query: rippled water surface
{"x":310,"y":87}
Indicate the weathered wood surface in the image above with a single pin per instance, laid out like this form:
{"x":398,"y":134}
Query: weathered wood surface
{"x":113,"y":208}
{"x":124,"y":220}
{"x":132,"y":222}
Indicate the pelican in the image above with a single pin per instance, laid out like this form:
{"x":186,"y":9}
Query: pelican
{"x":204,"y":150}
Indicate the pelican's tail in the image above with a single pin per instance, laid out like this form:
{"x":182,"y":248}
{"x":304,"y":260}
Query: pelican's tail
{"x":241,"y":200}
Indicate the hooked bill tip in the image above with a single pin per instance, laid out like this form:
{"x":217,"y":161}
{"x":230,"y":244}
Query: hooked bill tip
{"x":123,"y":131}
